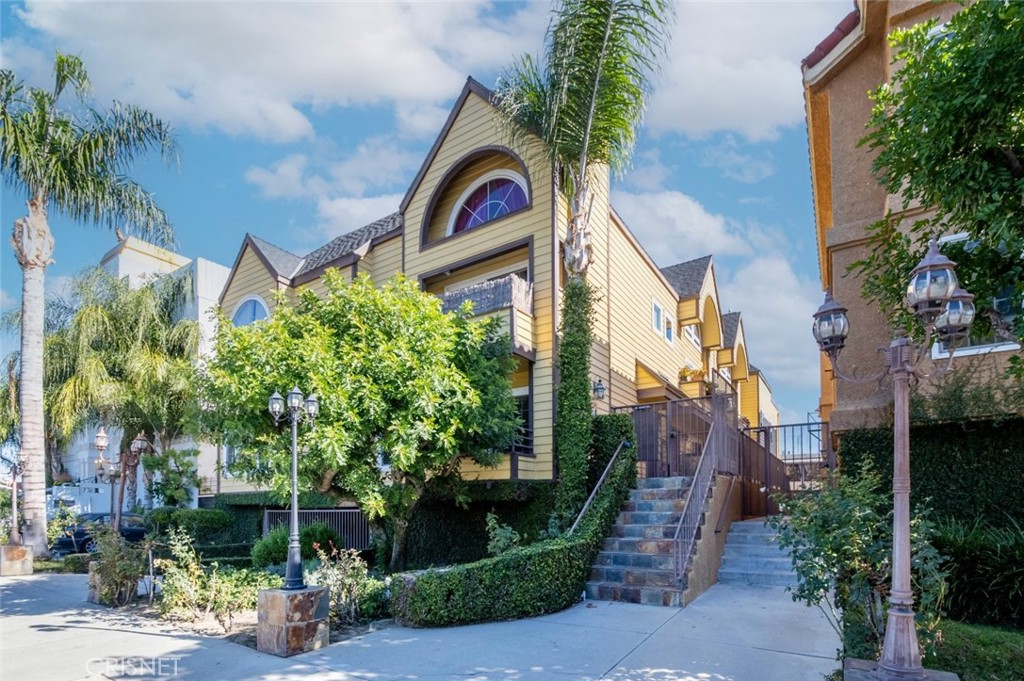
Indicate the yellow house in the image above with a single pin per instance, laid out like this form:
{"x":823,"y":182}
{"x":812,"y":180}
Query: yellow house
{"x":484,"y":221}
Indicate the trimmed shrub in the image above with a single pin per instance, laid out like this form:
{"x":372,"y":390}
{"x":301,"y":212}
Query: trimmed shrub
{"x":77,"y":563}
{"x":273,"y":548}
{"x":225,"y":550}
{"x":526,"y":581}
{"x":608,"y":431}
{"x":986,"y":572}
{"x":204,"y":525}
{"x":961,"y":470}
{"x":119,"y":566}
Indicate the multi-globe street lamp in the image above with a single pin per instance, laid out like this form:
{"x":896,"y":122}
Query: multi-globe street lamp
{"x":947,"y":311}
{"x":293,"y":573}
{"x":106,"y":471}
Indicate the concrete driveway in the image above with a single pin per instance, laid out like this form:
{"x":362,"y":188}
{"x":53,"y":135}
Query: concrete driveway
{"x":731,"y":633}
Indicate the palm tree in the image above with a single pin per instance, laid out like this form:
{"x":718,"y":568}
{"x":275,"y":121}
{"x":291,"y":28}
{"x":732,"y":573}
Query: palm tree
{"x":125,"y":359}
{"x":74,"y":162}
{"x":585,"y":103}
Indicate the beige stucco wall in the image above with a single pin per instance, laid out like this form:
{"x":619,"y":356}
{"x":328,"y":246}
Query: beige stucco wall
{"x":707,"y":556}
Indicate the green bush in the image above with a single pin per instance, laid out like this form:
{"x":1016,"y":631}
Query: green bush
{"x":273,"y":548}
{"x":354,"y":594}
{"x":62,"y":518}
{"x":225,"y":550}
{"x":190,"y":589}
{"x":608,"y":431}
{"x":526,"y":581}
{"x":160,"y":519}
{"x":501,"y":537}
{"x":204,"y":525}
{"x":246,"y":510}
{"x":965,"y":469}
{"x":77,"y":563}
{"x":986,"y":571}
{"x":119,"y":566}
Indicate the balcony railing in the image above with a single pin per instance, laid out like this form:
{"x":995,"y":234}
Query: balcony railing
{"x":497,"y":294}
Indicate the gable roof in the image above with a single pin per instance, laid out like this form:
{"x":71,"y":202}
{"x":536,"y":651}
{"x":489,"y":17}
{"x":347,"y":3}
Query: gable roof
{"x":687,"y":277}
{"x":346,"y":244}
{"x":843,"y":29}
{"x":730,"y":326}
{"x":472,"y":86}
{"x":282,"y":262}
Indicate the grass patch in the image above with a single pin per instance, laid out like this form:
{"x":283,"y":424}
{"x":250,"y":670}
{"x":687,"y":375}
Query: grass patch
{"x":980,"y":653}
{"x":40,"y":565}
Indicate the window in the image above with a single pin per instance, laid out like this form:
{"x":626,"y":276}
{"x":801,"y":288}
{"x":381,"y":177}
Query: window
{"x":692,"y":331}
{"x":670,"y":329}
{"x":662,"y":324}
{"x":524,"y":442}
{"x":494,"y":196}
{"x":250,"y":310}
{"x":657,"y":319}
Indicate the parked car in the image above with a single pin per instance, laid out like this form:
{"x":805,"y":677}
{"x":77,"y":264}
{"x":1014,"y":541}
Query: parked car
{"x":78,"y":537}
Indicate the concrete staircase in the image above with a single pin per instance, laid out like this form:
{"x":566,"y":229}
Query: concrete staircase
{"x":636,"y":563}
{"x":752,"y":557}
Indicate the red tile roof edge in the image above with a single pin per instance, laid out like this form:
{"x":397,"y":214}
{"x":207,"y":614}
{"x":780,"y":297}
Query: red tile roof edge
{"x":842,"y":30}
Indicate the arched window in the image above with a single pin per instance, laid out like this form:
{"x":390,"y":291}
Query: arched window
{"x":494,"y":195}
{"x":250,"y":310}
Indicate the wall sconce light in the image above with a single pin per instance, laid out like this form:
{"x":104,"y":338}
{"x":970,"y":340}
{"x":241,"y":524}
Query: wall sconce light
{"x":599,"y":390}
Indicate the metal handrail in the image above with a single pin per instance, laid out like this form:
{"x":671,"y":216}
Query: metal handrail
{"x":597,"y":487}
{"x":690,"y":517}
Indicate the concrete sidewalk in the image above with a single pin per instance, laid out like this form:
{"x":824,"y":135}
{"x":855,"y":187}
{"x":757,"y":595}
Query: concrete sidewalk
{"x":731,"y":633}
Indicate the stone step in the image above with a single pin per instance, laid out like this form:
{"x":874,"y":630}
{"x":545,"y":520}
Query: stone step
{"x":730,"y":576}
{"x":755,"y":550}
{"x":637,"y":560}
{"x":757,"y":563}
{"x":752,"y":539}
{"x":751,"y":527}
{"x":659,"y":483}
{"x":659,"y":493}
{"x":612,"y":574}
{"x":647,"y":518}
{"x":602,"y":591}
{"x":644,"y":531}
{"x":655,"y":506}
{"x":638,"y":545}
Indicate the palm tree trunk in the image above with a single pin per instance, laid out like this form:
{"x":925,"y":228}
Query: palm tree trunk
{"x":33,"y":246}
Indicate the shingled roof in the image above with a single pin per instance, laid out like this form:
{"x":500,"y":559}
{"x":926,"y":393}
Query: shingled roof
{"x":283,"y":263}
{"x":730,"y":326}
{"x":687,"y":277}
{"x":347,"y":243}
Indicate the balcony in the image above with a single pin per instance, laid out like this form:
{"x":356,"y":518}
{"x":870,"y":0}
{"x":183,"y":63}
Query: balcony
{"x":510,"y":299}
{"x":508,"y":292}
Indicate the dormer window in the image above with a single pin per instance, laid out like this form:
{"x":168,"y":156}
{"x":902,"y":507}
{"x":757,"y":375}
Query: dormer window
{"x":250,"y":310}
{"x":493,"y":196}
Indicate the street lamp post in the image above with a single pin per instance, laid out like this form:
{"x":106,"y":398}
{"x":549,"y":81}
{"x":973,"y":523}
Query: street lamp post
{"x":947,"y":311}
{"x":106,"y":471}
{"x":293,"y":573}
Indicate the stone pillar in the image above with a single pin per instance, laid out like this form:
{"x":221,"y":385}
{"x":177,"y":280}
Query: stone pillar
{"x":293,"y":621}
{"x":15,"y":560}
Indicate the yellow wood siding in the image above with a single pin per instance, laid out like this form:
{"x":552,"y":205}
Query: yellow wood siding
{"x":475,"y":126}
{"x":457,"y":185}
{"x":317,"y":285}
{"x":250,"y":278}
{"x":387,"y":260}
{"x":478,"y":272}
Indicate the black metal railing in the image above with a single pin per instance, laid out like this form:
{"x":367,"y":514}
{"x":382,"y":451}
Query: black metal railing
{"x":597,"y":487}
{"x":498,"y":294}
{"x":351,"y":525}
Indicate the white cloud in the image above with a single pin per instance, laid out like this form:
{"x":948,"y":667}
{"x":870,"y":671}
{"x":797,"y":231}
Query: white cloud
{"x":8,"y":301}
{"x":648,"y":172}
{"x":736,"y":165}
{"x":776,"y":304}
{"x":674,"y":227}
{"x":258,"y":68}
{"x":341,"y":215}
{"x":736,"y":66}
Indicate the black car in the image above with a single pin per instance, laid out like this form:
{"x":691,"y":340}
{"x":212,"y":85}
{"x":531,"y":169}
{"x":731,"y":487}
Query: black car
{"x":78,"y":538}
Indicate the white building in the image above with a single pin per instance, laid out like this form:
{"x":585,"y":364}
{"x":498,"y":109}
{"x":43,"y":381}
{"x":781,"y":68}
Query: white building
{"x":140,"y":261}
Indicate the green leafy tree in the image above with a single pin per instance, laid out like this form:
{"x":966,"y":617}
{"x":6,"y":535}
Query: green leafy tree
{"x":584,"y":102}
{"x":949,"y":132}
{"x":123,"y":358}
{"x":406,"y":392}
{"x":72,"y":161}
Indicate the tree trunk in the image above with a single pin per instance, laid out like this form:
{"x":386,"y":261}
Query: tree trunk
{"x":33,"y":246}
{"x":132,"y":480}
{"x":400,"y":528}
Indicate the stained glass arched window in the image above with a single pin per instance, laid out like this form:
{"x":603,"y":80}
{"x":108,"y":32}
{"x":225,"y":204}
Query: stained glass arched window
{"x":495,"y":195}
{"x":249,"y":311}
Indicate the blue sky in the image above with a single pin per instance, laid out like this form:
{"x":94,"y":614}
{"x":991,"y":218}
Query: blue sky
{"x":301,"y":121}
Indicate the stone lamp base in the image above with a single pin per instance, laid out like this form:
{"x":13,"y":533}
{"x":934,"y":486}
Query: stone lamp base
{"x":865,"y":670}
{"x":15,"y":560}
{"x":293,"y":622}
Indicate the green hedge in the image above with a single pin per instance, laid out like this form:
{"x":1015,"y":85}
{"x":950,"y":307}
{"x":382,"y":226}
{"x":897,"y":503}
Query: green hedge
{"x":607,"y":432}
{"x":986,"y":572}
{"x":77,"y":562}
{"x":443,"y":533}
{"x":246,"y":510}
{"x":237,"y":550}
{"x":970,"y":469}
{"x":273,"y":548}
{"x":526,"y":581}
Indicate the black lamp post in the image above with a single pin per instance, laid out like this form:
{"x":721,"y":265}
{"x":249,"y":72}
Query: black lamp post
{"x":947,"y":311}
{"x":293,"y":573}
